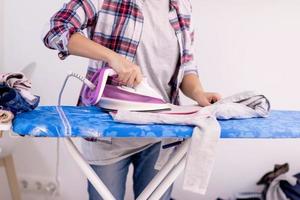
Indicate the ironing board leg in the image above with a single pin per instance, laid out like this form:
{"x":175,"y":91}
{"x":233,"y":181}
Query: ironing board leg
{"x":167,"y":168}
{"x":168,"y":181}
{"x":88,"y":171}
{"x":9,"y":166}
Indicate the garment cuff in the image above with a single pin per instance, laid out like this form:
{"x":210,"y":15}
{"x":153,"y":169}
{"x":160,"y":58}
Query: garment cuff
{"x":190,"y":72}
{"x":61,"y":43}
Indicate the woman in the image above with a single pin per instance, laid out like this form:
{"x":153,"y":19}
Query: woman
{"x":137,"y":38}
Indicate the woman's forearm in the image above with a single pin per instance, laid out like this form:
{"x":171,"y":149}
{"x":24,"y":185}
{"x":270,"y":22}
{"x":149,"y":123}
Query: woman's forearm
{"x":191,"y":86}
{"x":79,"y":45}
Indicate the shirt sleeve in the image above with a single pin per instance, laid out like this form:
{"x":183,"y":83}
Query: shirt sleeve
{"x":191,"y":67}
{"x":73,"y":17}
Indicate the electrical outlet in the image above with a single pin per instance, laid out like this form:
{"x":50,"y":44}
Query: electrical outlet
{"x":38,"y":185}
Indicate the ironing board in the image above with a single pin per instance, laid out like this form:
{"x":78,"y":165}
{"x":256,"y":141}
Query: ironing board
{"x":70,"y":121}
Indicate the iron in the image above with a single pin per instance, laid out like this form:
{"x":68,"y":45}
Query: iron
{"x":109,"y":94}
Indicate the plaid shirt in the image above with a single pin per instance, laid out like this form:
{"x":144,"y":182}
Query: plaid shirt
{"x":117,"y":25}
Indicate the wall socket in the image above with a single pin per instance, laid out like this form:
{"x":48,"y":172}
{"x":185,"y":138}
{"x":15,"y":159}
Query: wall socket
{"x":39,"y":185}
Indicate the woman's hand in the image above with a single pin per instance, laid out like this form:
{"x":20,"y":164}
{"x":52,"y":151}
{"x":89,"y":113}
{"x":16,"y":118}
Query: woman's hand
{"x":129,"y":74}
{"x":192,"y":88}
{"x":206,"y":98}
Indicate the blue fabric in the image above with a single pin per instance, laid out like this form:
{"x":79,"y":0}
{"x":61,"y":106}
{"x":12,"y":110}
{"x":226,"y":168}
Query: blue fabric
{"x":11,"y":99}
{"x":114,"y":175}
{"x":51,"y":121}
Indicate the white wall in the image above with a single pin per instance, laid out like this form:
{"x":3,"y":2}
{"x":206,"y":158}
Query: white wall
{"x":249,"y":44}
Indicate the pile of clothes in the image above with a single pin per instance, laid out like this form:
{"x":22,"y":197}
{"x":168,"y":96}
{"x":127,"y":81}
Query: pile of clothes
{"x":277,"y":185}
{"x":15,"y":97}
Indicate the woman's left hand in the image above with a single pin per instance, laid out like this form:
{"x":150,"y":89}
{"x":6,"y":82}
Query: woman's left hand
{"x":207,"y":98}
{"x":192,"y":88}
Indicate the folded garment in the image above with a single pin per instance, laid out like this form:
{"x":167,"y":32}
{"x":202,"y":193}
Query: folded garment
{"x":5,"y":119}
{"x":201,"y":153}
{"x":17,"y":80}
{"x":11,"y":99}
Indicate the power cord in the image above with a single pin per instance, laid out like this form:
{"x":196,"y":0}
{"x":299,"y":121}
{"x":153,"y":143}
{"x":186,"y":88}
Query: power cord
{"x":73,"y":74}
{"x":91,"y":86}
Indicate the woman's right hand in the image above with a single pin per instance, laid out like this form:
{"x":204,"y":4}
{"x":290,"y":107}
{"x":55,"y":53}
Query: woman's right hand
{"x":129,"y":73}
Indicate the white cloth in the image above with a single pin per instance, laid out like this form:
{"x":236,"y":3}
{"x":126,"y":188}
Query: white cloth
{"x":275,"y":192}
{"x":201,"y":153}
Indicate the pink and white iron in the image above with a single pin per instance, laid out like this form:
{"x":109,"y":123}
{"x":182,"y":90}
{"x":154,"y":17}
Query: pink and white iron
{"x":110,"y":95}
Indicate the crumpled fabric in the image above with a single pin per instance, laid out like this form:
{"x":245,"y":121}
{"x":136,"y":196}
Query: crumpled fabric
{"x":18,"y":81}
{"x":202,"y":149}
{"x":275,"y":192}
{"x":278,"y":185}
{"x":11,"y":100}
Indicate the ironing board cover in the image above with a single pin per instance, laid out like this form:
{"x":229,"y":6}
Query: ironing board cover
{"x":52,"y":121}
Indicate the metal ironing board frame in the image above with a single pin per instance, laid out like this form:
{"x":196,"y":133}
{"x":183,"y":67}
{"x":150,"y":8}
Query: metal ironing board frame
{"x":169,"y":172}
{"x":158,"y":185}
{"x":153,"y":191}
